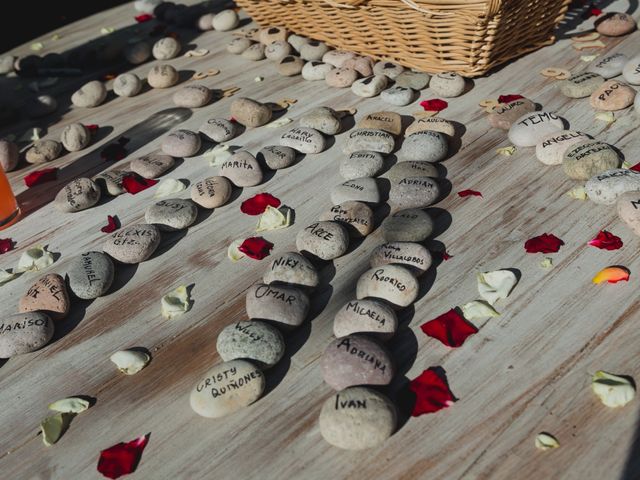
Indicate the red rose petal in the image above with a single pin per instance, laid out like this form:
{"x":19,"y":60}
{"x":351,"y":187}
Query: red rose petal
{"x":467,"y":193}
{"x":111,"y":226}
{"x":434,"y":105}
{"x":92,"y":127}
{"x":133,"y":183}
{"x":606,"y":241}
{"x":257,"y":204}
{"x":122,"y":458}
{"x":450,"y":328}
{"x":446,"y":256}
{"x":145,"y":17}
{"x":6,"y":245}
{"x":594,"y":12}
{"x":636,"y":167}
{"x":509,"y":98}
{"x":432,"y":392}
{"x":256,"y":248}
{"x":41,"y":176}
{"x":545,"y":243}
{"x":233,"y":120}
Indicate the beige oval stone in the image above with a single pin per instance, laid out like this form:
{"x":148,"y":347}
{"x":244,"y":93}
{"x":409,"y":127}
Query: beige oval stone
{"x":250,"y":113}
{"x":293,"y":268}
{"x":613,"y":95}
{"x":412,"y":255}
{"x":192,"y":96}
{"x":132,"y":244}
{"x":325,"y":240}
{"x":242,"y":169}
{"x":75,"y":137}
{"x":43,"y":151}
{"x":589,"y":158}
{"x":166,"y":48}
{"x":48,"y":295}
{"x":628,"y":206}
{"x":433,"y":124}
{"x":356,"y":216}
{"x":392,"y":283}
{"x":24,"y":332}
{"x":90,"y":95}
{"x":387,"y":121}
{"x":152,"y":165}
{"x":410,"y":169}
{"x":505,"y":114}
{"x":551,"y":149}
{"x":162,"y":76}
{"x":77,"y":195}
{"x":212,"y":192}
{"x":365,"y":316}
{"x":286,"y":305}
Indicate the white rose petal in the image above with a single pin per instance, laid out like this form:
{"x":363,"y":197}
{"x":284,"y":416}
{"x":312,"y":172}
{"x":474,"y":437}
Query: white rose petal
{"x":54,"y":426}
{"x":546,"y":263}
{"x":546,"y":441}
{"x":612,"y":390}
{"x":169,"y":186}
{"x":478,"y":309}
{"x":496,"y":285}
{"x":233,"y":253}
{"x":274,"y":219}
{"x":130,"y":362}
{"x":176,"y":302}
{"x":34,"y":259}
{"x":6,"y":276}
{"x":217,"y":155}
{"x":579,"y":193}
{"x":70,"y":405}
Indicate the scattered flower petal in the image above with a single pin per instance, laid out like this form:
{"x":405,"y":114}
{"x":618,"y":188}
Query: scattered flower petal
{"x":107,"y":30}
{"x":217,"y":155}
{"x":546,"y":263}
{"x":176,"y":302}
{"x":6,"y":245}
{"x":595,"y":12}
{"x":478,"y":309}
{"x":434,"y":105}
{"x":606,"y":240}
{"x":256,"y":248}
{"x":635,"y":168}
{"x":122,"y":458}
{"x":169,"y":186}
{"x":545,"y":243}
{"x":30,"y":135}
{"x":588,"y":58}
{"x":509,"y":98}
{"x":145,"y":17}
{"x":56,"y":37}
{"x":446,"y":256}
{"x":111,"y":226}
{"x":135,"y":184}
{"x":92,"y":127}
{"x":70,"y":405}
{"x":450,"y":328}
{"x":612,"y":390}
{"x":54,"y":426}
{"x":579,"y":193}
{"x":612,"y":275}
{"x":274,"y":219}
{"x":279,"y":122}
{"x":432,"y":393}
{"x":257,"y":204}
{"x":467,"y":193}
{"x":608,"y":117}
{"x":506,"y":151}
{"x":496,"y":285}
{"x":6,"y":276}
{"x":546,"y":441}
{"x":258,"y":79}
{"x":40,"y":176}
{"x":130,"y":362}
{"x":34,"y":259}
{"x":37,"y":46}
{"x":233,"y":253}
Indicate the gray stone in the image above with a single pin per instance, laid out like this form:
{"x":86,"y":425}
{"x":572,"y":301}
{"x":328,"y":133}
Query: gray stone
{"x":628,"y":211}
{"x":315,"y":70}
{"x":357,"y":217}
{"x":152,"y":165}
{"x":369,"y":139}
{"x":447,"y":84}
{"x":413,"y":80}
{"x":162,"y":76}
{"x":166,"y":48}
{"x":225,"y":20}
{"x":581,"y":85}
{"x":239,"y":45}
{"x":90,"y":275}
{"x":75,"y":137}
{"x":43,"y":151}
{"x":341,"y":77}
{"x":297,"y":41}
{"x":132,"y":244}
{"x":425,"y":146}
{"x":411,"y":169}
{"x":372,"y":317}
{"x":609,"y":66}
{"x":413,"y":192}
{"x":277,"y":156}
{"x":409,"y":254}
{"x":397,"y":95}
{"x":359,"y":189}
{"x":172,"y":214}
{"x":389,"y":69}
{"x":250,"y":113}
{"x":212,"y":192}
{"x":529,"y":129}
{"x":589,"y":158}
{"x":392,"y":283}
{"x":323,"y":119}
{"x":631,"y":71}
{"x":90,"y":95}
{"x":79,"y":194}
{"x":111,"y":182}
{"x":361,"y":164}
{"x":369,"y":86}
{"x":605,"y":188}
{"x":293,"y":268}
{"x":219,"y":129}
{"x":254,"y":53}
{"x":326,"y":240}
{"x":181,"y":143}
{"x":251,"y":340}
{"x":24,"y":333}
{"x":313,"y":50}
{"x":127,"y":85}
{"x":277,"y":50}
{"x":290,"y":66}
{"x":304,"y":140}
{"x":337,"y":58}
{"x":192,"y":96}
{"x":285,"y":305}
{"x":242,"y":169}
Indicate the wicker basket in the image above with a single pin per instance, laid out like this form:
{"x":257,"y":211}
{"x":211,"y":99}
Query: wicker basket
{"x":465,"y":36}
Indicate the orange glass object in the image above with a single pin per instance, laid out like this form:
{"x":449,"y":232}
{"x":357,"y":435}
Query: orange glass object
{"x":9,"y":209}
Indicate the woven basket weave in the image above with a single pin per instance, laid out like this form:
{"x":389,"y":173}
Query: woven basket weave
{"x":465,"y":36}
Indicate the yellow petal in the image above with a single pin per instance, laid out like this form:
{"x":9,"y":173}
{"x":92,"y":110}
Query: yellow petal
{"x":34,"y":259}
{"x":106,"y":30}
{"x":280,"y":122}
{"x":6,"y":276}
{"x":626,"y":164}
{"x":612,"y":390}
{"x":54,"y":426}
{"x":130,"y":362}
{"x":579,"y":193}
{"x":176,"y":302}
{"x":546,"y":441}
{"x":608,"y":117}
{"x":506,"y":151}
{"x":496,"y":285}
{"x":588,"y":58}
{"x":547,"y":263}
{"x":56,"y":37}
{"x":611,"y":275}
{"x":233,"y":253}
{"x":478,"y":309}
{"x":70,"y":405}
{"x":37,"y":46}
{"x":169,"y":186}
{"x":273,"y":219}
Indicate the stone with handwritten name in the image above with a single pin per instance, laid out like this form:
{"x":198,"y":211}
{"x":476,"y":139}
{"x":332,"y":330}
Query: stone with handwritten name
{"x":387,"y":121}
{"x":411,"y":169}
{"x":285,"y":305}
{"x":314,"y":71}
{"x":398,"y":96}
{"x":132,"y":244}
{"x":410,"y":225}
{"x":615,"y":24}
{"x":609,"y":66}
{"x":581,"y":85}
{"x":631,"y":71}
{"x":47,"y":295}
{"x":75,"y":137}
{"x":369,"y":86}
{"x":356,"y":360}
{"x":413,"y":80}
{"x":9,"y":155}
{"x":357,"y":217}
{"x":226,"y":388}
{"x":363,"y":189}
{"x":591,"y":157}
{"x":529,"y":129}
{"x":22,"y":333}
{"x":371,"y":317}
{"x":192,"y":96}
{"x":362,"y":65}
{"x":413,"y":192}
{"x":613,"y":95}
{"x":127,"y":85}
{"x":250,"y":113}
{"x":361,"y":164}
{"x":90,"y":95}
{"x":239,"y":45}
{"x":369,"y":139}
{"x":313,"y":50}
{"x":551,"y":148}
{"x":242,"y":169}
{"x":219,"y":129}
{"x":448,"y":84}
{"x":111,"y":182}
{"x":276,"y":157}
{"x":341,"y":77}
{"x":432,"y":124}
{"x":254,"y":53}
{"x":304,"y":140}
{"x":181,"y":143}
{"x":628,"y":206}
{"x":393,"y":283}
{"x":323,"y":119}
{"x":504,"y":115}
{"x":172,"y":214}
{"x":390,"y":69}
{"x":606,"y":187}
{"x":412,"y":255}
{"x":277,"y":50}
{"x":290,"y":66}
{"x":252,"y":340}
{"x":79,"y":194}
{"x":357,"y":418}
{"x":43,"y":151}
{"x":292,"y":268}
{"x":212,"y":192}
{"x":90,"y":275}
{"x":152,"y":165}
{"x":425,"y":146}
{"x":325,"y":239}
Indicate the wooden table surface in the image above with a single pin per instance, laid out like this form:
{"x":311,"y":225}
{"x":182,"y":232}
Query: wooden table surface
{"x":524,"y":372}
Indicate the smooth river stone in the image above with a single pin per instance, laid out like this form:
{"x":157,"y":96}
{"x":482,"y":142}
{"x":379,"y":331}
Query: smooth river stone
{"x":631,"y":71}
{"x":313,"y":50}
{"x":181,"y":143}
{"x":409,"y":254}
{"x":326,"y":240}
{"x":389,"y":69}
{"x":413,"y":80}
{"x":90,"y":275}
{"x":75,"y":137}
{"x":356,"y":216}
{"x":357,"y":418}
{"x":591,"y":157}
{"x":166,"y":48}
{"x":615,"y":24}
{"x":362,"y":65}
{"x":43,"y":151}
{"x":365,"y":316}
{"x":410,"y":225}
{"x":172,"y":214}
{"x":612,"y":95}
{"x":152,"y":165}
{"x":369,"y":86}
{"x":77,"y":195}
{"x":127,"y":85}
{"x":254,"y":53}
{"x":341,"y":77}
{"x":413,"y":192}
{"x":297,"y":41}
{"x":212,"y":192}
{"x":276,"y":157}
{"x":581,"y":85}
{"x":529,"y":129}
{"x":47,"y":295}
{"x":304,"y":140}
{"x":111,"y":182}
{"x":242,"y":169}
{"x":9,"y":155}
{"x":361,"y":164}
{"x":393,"y":283}
{"x":550,"y":150}
{"x":505,"y":114}
{"x":219,"y":129}
{"x":132,"y":244}
{"x":24,"y":332}
{"x":250,"y":113}
{"x":609,"y":66}
{"x":337,"y":58}
{"x":356,"y":360}
{"x":314,"y":71}
{"x":277,"y":50}
{"x":285,"y":305}
{"x":363,"y":189}
{"x":628,"y":206}
{"x":425,"y":146}
{"x":293,"y":268}
{"x":432,"y":124}
{"x":225,"y":20}
{"x":398,"y":96}
{"x":369,"y":139}
{"x":290,"y":66}
{"x":323,"y":119}
{"x":239,"y":45}
{"x":226,"y":388}
{"x":388,"y":121}
{"x":192,"y":96}
{"x":251,"y":340}
{"x":447,"y":84}
{"x":403,"y":170}
{"x":606,"y":187}
{"x":90,"y":95}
